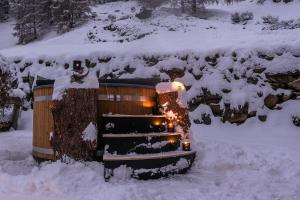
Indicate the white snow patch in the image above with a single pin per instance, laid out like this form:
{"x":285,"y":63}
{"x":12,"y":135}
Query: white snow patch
{"x":17,"y":93}
{"x":90,"y":133}
{"x":64,"y":82}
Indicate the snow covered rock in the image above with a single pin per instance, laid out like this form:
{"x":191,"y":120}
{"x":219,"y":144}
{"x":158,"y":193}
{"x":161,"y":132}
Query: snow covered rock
{"x":296,"y":84}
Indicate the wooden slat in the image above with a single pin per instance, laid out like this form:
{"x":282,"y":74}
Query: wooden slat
{"x":42,"y":122}
{"x":163,"y":155}
{"x":125,"y":107}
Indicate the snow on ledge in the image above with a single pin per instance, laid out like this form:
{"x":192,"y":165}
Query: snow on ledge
{"x":166,"y":87}
{"x":64,"y":82}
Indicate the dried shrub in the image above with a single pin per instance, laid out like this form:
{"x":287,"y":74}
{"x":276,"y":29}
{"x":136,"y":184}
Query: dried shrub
{"x":71,"y":117}
{"x":273,"y":23}
{"x":241,"y":18}
{"x":181,"y":114}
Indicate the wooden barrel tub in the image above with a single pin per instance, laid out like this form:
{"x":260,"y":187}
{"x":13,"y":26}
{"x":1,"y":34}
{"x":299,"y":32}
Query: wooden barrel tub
{"x":117,"y":98}
{"x":114,"y":97}
{"x":42,"y":123}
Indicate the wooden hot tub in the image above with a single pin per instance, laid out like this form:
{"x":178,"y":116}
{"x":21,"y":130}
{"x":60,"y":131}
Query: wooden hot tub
{"x":124,"y":96}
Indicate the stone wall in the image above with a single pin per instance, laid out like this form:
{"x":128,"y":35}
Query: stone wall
{"x":234,"y":84}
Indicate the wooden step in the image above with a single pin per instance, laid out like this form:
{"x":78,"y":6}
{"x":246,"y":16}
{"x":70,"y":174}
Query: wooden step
{"x":132,"y":123}
{"x":150,"y":166}
{"x":141,"y":143}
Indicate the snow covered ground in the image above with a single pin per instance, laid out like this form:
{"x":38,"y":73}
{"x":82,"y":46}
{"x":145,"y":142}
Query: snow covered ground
{"x":254,"y":161}
{"x":163,"y":33}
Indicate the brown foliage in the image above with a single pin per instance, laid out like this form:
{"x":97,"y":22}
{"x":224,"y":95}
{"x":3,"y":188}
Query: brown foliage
{"x":182,"y":116}
{"x":71,"y":116}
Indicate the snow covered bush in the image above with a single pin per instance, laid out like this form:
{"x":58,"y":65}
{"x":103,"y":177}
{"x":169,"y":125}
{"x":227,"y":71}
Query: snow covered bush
{"x":241,"y":18}
{"x":273,"y":23}
{"x":274,"y":1}
{"x":5,"y":82}
{"x":285,"y":1}
{"x":4,"y":10}
{"x":144,"y":13}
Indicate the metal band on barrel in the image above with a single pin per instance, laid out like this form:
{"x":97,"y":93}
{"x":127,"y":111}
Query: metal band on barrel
{"x":42,"y":98}
{"x":116,"y":97}
{"x":43,"y":150}
{"x":103,"y":97}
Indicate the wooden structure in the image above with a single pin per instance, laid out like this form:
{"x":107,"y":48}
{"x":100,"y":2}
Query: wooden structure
{"x":131,"y":131}
{"x":115,"y":98}
{"x":42,"y":123}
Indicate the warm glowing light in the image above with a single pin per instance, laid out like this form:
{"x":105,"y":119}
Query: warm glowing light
{"x":186,"y":145}
{"x":77,"y":65}
{"x":166,"y":87}
{"x":171,"y":127}
{"x":172,"y":141}
{"x":157,"y":123}
{"x":148,"y":104}
{"x":178,"y":86}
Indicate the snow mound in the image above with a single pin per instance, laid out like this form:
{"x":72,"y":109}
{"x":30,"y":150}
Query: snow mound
{"x":64,"y":82}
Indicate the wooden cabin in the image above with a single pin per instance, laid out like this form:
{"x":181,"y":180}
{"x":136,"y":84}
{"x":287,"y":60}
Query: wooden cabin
{"x":131,"y":130}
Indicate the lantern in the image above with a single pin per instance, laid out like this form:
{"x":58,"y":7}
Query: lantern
{"x":77,"y":65}
{"x":170,"y":127}
{"x":171,"y":140}
{"x":157,"y":123}
{"x":186,"y":145}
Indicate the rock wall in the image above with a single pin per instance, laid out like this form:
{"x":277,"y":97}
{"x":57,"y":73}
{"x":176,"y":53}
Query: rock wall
{"x":233,"y":85}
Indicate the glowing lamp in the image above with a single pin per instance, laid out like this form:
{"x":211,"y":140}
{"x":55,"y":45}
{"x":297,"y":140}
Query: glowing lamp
{"x":157,"y":123}
{"x":171,"y":127}
{"x":148,"y":104}
{"x":172,"y":141}
{"x":77,"y":65}
{"x":186,"y":145}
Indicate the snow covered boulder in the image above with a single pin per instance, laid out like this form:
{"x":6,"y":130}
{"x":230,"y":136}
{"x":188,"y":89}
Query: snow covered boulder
{"x":296,"y":84}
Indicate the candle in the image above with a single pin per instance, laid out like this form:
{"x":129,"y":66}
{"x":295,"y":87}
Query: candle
{"x":186,"y":145}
